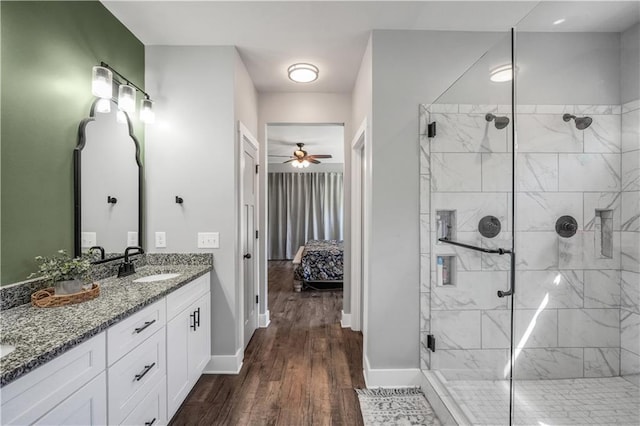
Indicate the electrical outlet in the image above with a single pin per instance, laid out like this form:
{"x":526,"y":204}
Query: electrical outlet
{"x":208,"y":240}
{"x":161,"y":239}
{"x":132,"y":238}
{"x":88,"y":239}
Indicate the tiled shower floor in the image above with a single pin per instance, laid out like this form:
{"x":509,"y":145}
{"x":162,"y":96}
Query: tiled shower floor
{"x":605,"y":401}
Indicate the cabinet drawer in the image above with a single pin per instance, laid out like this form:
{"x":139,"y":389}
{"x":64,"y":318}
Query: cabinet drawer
{"x":31,"y":396}
{"x":129,"y":333}
{"x":132,"y":377}
{"x":87,"y":406}
{"x":152,"y":410}
{"x":182,"y":298}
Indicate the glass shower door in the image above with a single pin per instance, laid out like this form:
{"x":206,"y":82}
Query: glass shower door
{"x":466,"y":180}
{"x":577,"y":311}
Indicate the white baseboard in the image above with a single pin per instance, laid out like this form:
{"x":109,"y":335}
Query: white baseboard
{"x":345,"y":321}
{"x":391,"y":377}
{"x":225,"y":364}
{"x":264,"y":320}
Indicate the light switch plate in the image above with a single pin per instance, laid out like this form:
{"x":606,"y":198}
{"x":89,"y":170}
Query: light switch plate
{"x":161,"y":239}
{"x":208,"y":240}
{"x":132,"y":238}
{"x":88,"y":239}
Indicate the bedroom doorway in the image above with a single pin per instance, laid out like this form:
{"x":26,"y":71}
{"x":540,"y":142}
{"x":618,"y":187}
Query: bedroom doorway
{"x":304,"y":187}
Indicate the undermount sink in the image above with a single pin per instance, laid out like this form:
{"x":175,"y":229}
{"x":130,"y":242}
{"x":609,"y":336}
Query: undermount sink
{"x":6,"y":349}
{"x":156,"y":277}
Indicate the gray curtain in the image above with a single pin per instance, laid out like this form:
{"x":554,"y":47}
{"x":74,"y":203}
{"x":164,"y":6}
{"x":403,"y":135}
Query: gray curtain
{"x":303,"y":206}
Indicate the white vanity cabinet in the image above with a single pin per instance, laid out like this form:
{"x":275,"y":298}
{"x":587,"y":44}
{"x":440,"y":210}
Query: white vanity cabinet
{"x":188,"y":339}
{"x":137,"y":372}
{"x":70,"y":389}
{"x":137,"y":362}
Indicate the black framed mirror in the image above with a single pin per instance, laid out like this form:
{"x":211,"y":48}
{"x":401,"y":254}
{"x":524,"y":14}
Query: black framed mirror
{"x":108,"y":183}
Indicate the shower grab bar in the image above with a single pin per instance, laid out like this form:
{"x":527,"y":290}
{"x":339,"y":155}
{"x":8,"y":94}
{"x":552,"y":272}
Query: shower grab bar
{"x":482,"y":249}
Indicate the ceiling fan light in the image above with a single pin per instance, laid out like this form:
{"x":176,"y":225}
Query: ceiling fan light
{"x":304,"y":163}
{"x":303,"y":73}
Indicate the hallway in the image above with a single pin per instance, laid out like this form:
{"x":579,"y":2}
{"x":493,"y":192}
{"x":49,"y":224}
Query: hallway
{"x":301,"y":370}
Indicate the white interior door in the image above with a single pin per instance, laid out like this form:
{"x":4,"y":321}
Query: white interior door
{"x":248,"y":235}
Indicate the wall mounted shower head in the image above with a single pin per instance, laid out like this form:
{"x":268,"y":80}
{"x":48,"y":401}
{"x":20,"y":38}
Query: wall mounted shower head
{"x":501,"y":122}
{"x":581,"y":122}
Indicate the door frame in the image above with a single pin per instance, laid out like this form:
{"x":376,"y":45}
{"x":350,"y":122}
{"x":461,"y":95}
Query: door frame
{"x":244,"y":135}
{"x":360,"y":225}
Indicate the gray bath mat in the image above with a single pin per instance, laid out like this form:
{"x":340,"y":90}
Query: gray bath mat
{"x":402,"y":406}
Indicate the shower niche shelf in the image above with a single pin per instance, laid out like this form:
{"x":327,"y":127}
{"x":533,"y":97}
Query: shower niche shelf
{"x":445,"y":225}
{"x":445,"y":270}
{"x":603,"y":234}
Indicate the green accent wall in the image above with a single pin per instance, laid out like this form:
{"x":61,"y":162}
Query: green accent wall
{"x":48,"y":50}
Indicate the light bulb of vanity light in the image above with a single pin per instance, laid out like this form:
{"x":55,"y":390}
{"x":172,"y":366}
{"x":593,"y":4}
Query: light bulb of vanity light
{"x":103,"y":106}
{"x":146,"y":111}
{"x":127,"y":98}
{"x":121,"y":117}
{"x":102,"y":82}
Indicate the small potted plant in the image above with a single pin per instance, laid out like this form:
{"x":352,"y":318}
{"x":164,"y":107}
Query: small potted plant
{"x":68,"y":274}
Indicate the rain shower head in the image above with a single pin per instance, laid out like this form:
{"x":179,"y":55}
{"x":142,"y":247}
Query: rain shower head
{"x":581,"y":122}
{"x":501,"y":122}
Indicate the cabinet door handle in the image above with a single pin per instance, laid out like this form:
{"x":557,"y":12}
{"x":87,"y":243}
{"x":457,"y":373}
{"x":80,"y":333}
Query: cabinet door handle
{"x":197,"y":317}
{"x":193,"y":320}
{"x":146,"y":324}
{"x":144,"y":372}
{"x":150,"y":423}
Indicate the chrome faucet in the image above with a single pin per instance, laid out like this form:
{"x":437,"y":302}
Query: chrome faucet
{"x":127,"y":267}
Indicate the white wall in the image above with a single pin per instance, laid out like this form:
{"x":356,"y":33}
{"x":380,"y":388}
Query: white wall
{"x":304,"y":108}
{"x":191,"y":152}
{"x":630,"y":64}
{"x":409,"y":68}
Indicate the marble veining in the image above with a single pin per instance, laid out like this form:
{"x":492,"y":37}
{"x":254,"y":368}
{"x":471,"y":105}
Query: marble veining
{"x":41,"y":334}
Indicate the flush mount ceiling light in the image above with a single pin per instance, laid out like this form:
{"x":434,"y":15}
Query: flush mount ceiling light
{"x":559,"y":21}
{"x":501,"y":74}
{"x":303,"y":73}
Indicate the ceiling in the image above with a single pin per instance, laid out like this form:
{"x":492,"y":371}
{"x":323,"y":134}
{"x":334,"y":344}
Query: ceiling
{"x":317,"y":139}
{"x":271,"y":35}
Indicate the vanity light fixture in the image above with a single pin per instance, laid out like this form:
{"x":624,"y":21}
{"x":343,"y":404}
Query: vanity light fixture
{"x":102,"y":82}
{"x":102,"y":87}
{"x":501,"y":74}
{"x":303,"y":73}
{"x":127,"y":98}
{"x":146,"y":111}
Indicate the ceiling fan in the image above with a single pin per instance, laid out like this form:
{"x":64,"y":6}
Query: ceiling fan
{"x":301,"y":158}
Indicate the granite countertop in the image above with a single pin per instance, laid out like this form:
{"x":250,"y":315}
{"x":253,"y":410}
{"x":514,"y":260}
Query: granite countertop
{"x":41,"y":334}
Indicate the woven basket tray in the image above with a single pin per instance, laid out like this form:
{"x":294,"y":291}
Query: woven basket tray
{"x":46,"y":298}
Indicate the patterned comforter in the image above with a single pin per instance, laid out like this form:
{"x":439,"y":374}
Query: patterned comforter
{"x":322,"y":260}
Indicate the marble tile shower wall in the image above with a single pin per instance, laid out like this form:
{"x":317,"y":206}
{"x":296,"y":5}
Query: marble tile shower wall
{"x":630,"y":226}
{"x":568,"y":302}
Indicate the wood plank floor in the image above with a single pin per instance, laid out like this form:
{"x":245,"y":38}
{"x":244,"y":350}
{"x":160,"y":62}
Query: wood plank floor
{"x":301,"y":370}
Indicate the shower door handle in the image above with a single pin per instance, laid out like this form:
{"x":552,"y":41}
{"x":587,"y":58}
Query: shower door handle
{"x":500,"y":251}
{"x":512,"y":277}
{"x":505,"y":293}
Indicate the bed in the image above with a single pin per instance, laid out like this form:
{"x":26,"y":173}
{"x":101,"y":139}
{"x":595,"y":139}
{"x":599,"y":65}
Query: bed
{"x":319,"y":263}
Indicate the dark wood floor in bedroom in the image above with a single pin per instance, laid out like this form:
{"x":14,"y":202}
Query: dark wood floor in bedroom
{"x":301,"y":370}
